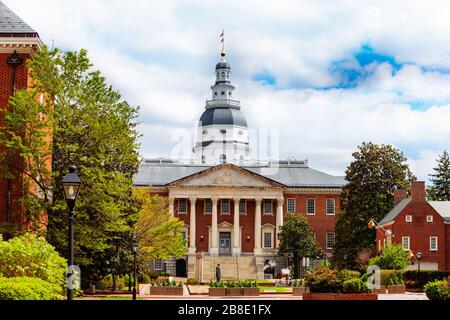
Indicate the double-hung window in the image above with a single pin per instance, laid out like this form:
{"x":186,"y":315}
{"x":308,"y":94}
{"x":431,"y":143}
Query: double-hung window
{"x":311,"y":206}
{"x":291,"y":205}
{"x":182,"y":206}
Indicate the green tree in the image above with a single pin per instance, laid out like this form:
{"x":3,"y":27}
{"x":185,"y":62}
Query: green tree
{"x":440,"y":190}
{"x":393,"y":257}
{"x":158,"y":235}
{"x":297,"y":238}
{"x":94,"y":129}
{"x":372,"y":177}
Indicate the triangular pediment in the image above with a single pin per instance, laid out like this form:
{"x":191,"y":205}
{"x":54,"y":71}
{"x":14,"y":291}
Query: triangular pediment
{"x":226,"y":175}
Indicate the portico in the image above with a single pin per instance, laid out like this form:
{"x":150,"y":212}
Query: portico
{"x":228,"y":199}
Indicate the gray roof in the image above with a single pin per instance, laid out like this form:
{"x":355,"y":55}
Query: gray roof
{"x":223,"y":66}
{"x":12,"y":23}
{"x":161,"y":174}
{"x":442,"y":207}
{"x":223,"y":116}
{"x":395,"y":212}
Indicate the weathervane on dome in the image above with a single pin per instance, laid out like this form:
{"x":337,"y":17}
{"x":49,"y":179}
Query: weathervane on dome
{"x":222,"y":41}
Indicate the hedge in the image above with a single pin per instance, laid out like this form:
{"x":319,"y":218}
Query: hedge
{"x":418,"y":279}
{"x":387,"y":276}
{"x":438,"y":290}
{"x":33,"y":257}
{"x":26,"y":288}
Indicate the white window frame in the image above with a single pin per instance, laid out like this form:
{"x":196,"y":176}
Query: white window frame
{"x":326,"y":240}
{"x":204,"y":207}
{"x":293,"y":204}
{"x":224,"y":213}
{"x":244,"y":213}
{"x":307,"y":207}
{"x":436,"y":248}
{"x":159,"y":261}
{"x":430,"y":219}
{"x":334,"y":207}
{"x":409,"y":243}
{"x":179,"y":207}
{"x":271,"y":239}
{"x":265,"y":201}
{"x":408,"y":218}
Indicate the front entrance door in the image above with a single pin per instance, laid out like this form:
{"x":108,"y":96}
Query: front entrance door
{"x":181,"y":268}
{"x":225,"y":243}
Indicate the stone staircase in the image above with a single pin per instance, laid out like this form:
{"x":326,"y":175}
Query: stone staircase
{"x":233,"y":268}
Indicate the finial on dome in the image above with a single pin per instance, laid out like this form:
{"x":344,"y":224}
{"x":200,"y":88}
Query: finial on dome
{"x":223,"y":55}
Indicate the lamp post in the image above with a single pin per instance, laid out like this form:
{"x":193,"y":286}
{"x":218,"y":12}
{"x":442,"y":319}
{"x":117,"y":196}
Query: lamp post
{"x":419,"y":256}
{"x":134,"y":246}
{"x":71,"y":185}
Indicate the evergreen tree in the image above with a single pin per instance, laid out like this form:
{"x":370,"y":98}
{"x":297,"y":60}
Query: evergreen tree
{"x":371,"y":180}
{"x":440,"y":190}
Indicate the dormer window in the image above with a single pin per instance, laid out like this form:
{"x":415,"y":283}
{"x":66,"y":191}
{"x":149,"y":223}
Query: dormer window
{"x":223,"y":131}
{"x":223,"y":93}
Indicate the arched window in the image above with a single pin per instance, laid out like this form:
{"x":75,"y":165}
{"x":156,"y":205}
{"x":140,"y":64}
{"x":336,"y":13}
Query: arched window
{"x":223,"y":158}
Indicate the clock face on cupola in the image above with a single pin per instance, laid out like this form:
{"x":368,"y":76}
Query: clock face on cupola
{"x":223,"y":131}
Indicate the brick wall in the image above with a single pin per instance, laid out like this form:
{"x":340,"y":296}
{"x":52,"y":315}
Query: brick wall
{"x":420,"y":231}
{"x":321,"y":223}
{"x":6,"y":76}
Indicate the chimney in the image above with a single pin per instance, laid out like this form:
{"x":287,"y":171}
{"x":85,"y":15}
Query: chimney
{"x":418,"y":191}
{"x":399,"y":196}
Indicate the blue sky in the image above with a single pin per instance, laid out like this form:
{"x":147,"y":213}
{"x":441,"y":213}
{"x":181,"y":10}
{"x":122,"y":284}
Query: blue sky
{"x":326,"y":75}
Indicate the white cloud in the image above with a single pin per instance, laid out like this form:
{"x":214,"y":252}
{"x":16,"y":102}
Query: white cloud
{"x":161,"y":54}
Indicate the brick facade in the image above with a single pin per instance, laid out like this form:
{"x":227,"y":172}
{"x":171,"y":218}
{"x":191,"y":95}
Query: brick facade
{"x":419,"y":230}
{"x":321,"y":222}
{"x":14,"y":188}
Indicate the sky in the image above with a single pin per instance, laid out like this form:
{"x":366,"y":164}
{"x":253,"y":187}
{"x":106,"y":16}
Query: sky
{"x":325,"y":75}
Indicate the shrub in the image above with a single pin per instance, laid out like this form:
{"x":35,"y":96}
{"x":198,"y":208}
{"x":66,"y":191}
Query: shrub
{"x":31,"y":256}
{"x":387,"y":277}
{"x":438,"y":290}
{"x":193,"y":282}
{"x":355,"y":285}
{"x":107,"y":283}
{"x":26,"y":288}
{"x":393,"y":257}
{"x":299,"y":283}
{"x":324,"y":280}
{"x":417,"y":279}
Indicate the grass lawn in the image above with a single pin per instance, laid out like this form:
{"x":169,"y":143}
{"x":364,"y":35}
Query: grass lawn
{"x":276,"y":289}
{"x":117,"y":298}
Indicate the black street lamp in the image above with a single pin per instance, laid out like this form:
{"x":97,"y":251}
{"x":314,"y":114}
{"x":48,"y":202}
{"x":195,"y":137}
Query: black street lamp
{"x":419,"y":256}
{"x":134,"y":246}
{"x":71,"y":184}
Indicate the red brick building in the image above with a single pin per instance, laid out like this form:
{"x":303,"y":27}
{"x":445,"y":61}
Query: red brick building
{"x":419,"y":225}
{"x":18,"y":42}
{"x":232,"y":206}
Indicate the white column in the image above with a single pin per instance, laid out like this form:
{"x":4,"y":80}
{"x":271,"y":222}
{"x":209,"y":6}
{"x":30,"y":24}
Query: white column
{"x":214,"y":250}
{"x":236,"y":232}
{"x":258,"y":214}
{"x":172,"y":207}
{"x":193,"y":226}
{"x":280,"y":216}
